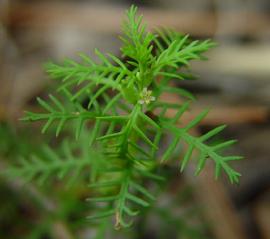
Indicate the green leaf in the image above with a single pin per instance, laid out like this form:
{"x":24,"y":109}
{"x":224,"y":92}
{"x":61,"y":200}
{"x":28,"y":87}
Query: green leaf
{"x":102,"y":215}
{"x":113,"y":118}
{"x":149,"y":120}
{"x":201,"y":164}
{"x":47,"y":125}
{"x":142,"y":190}
{"x":212,"y":132}
{"x":186,"y":158}
{"x":130,"y":212}
{"x":197,"y":120}
{"x":170,"y":149}
{"x":224,"y":144}
{"x":103,"y":199}
{"x":180,"y":112}
{"x":144,"y":137}
{"x":45,"y":105}
{"x":137,"y":200}
{"x":110,"y":136}
{"x":139,"y":149}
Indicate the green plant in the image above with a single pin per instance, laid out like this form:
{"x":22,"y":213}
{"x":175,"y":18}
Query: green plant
{"x":117,"y":106}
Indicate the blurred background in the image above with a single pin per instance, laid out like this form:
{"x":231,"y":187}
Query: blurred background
{"x":234,"y":83}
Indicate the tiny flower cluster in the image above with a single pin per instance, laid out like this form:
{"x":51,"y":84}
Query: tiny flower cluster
{"x":146,"y":97}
